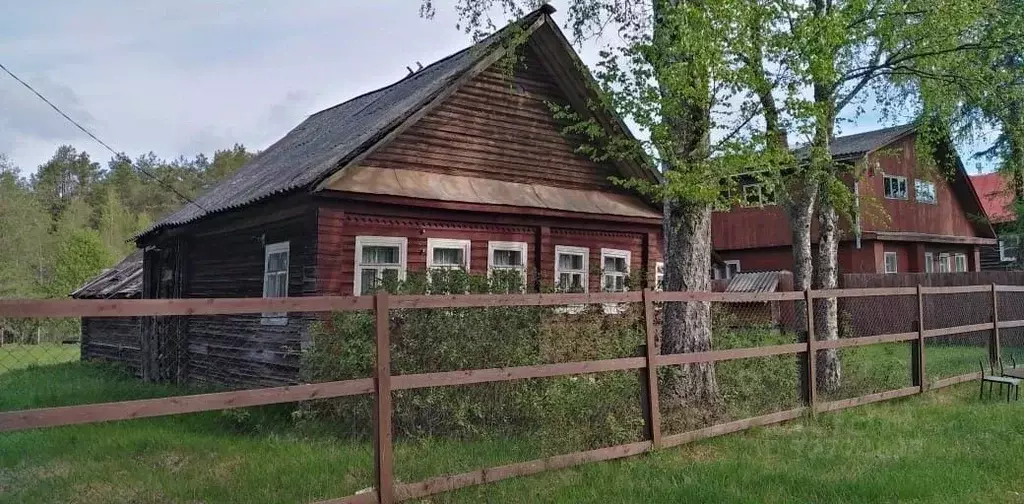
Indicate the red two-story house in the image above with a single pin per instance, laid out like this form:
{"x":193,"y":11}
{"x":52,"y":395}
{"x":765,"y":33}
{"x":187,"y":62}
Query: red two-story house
{"x":912,"y":218}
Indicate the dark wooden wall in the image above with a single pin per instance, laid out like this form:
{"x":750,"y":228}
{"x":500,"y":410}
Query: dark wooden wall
{"x":115,"y":339}
{"x":239,"y":349}
{"x":498,"y":126}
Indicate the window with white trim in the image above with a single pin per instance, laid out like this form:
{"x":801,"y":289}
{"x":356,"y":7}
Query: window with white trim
{"x":924,"y":191}
{"x":379,"y":260}
{"x":448,"y":254}
{"x":929,"y":262}
{"x":891,"y":262}
{"x":1008,"y":249}
{"x":757,"y":195}
{"x":614,"y":269}
{"x":275,"y":279}
{"x":944,"y":263}
{"x":895,"y":187}
{"x":659,"y":276}
{"x":571,"y":268}
{"x":960,"y":262}
{"x":506,"y":260}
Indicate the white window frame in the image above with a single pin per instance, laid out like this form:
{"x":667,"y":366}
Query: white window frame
{"x":906,"y":191}
{"x":448,"y":243}
{"x":958,"y":260}
{"x":895,"y":262}
{"x":929,"y":262}
{"x":507,"y":245}
{"x":945,"y":266}
{"x":659,"y":276}
{"x":582,"y":251}
{"x":624,"y":254}
{"x":616,"y":308}
{"x":276,"y":318}
{"x":1003,"y":255}
{"x":378,"y":241}
{"x":917,"y":192}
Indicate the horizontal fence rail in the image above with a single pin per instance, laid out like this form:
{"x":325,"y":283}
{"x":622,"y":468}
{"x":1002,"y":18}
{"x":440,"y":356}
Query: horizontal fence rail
{"x":383,"y":382}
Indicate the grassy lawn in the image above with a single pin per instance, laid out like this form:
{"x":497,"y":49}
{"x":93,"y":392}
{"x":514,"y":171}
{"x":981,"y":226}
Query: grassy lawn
{"x":18,"y":356}
{"x":945,"y":446}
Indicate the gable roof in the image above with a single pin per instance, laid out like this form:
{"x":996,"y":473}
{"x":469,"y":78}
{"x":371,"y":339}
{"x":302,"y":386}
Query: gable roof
{"x":123,"y":280}
{"x":333,"y":138}
{"x":996,"y":197}
{"x":848,"y":147}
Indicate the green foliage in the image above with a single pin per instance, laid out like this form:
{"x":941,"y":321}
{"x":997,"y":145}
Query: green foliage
{"x":434,"y":340}
{"x":80,"y":255}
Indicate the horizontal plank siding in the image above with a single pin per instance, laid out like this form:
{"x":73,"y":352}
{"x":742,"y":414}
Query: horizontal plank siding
{"x":114,"y":339}
{"x":499,"y":125}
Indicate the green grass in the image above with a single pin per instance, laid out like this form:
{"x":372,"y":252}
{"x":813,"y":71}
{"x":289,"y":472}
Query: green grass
{"x":945,"y":446}
{"x":19,"y":356}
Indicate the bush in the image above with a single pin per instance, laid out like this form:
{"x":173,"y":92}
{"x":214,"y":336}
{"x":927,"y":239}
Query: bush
{"x":575,"y":410}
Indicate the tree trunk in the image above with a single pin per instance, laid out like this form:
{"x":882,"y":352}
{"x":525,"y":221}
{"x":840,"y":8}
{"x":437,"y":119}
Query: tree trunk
{"x":801,"y":211}
{"x":826,"y":319}
{"x":687,"y":326}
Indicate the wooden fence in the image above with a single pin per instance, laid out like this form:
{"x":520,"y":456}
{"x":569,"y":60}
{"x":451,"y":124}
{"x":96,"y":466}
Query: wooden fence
{"x":383,"y":383}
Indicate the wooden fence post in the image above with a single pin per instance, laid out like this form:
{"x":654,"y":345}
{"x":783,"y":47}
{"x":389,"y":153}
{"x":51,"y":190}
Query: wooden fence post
{"x":383,"y":456}
{"x":917,"y":350}
{"x":994,"y":346}
{"x":811,"y":384}
{"x":653,"y":416}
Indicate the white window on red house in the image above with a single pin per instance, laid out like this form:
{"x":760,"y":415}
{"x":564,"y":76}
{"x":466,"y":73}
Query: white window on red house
{"x":944,"y":265}
{"x":895,"y":187}
{"x":728,"y":270}
{"x":924,"y":191}
{"x":929,"y":262}
{"x":659,"y":276}
{"x":506,"y":264}
{"x":571,"y":268}
{"x":960,"y":262}
{"x":380,"y":260}
{"x":614,"y":269}
{"x":891,"y":262}
{"x":275,"y":279}
{"x":448,"y":254}
{"x":1008,"y":249}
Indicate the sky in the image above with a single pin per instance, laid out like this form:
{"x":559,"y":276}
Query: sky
{"x":191,"y":76}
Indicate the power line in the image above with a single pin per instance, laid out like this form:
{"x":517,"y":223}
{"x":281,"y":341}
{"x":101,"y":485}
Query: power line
{"x":94,"y":137}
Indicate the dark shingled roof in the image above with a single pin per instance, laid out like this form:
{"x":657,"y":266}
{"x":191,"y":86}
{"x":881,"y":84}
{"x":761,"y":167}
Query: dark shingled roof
{"x":330,"y":138}
{"x":854,"y":146}
{"x":124,"y":280}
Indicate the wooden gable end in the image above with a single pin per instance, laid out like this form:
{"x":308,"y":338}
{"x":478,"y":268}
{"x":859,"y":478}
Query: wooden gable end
{"x":948,"y":216}
{"x":498,"y":126}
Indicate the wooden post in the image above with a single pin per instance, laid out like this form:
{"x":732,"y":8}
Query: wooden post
{"x":383,"y":460}
{"x":994,"y":351}
{"x":811,"y":385}
{"x":917,"y":350}
{"x":653,"y":417}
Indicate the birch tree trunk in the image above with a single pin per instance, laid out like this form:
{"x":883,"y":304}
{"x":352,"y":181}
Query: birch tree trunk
{"x":801,"y":212}
{"x":826,"y":316}
{"x":687,"y":326}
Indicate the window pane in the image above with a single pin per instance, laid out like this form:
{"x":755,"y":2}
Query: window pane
{"x":508,"y":258}
{"x":615,"y":264}
{"x":449,"y":257}
{"x":620,"y":284}
{"x":377,"y":254}
{"x":367,"y":281}
{"x":277,"y":261}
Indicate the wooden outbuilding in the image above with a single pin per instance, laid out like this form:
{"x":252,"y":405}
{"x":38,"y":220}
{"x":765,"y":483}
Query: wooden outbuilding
{"x":116,"y":339}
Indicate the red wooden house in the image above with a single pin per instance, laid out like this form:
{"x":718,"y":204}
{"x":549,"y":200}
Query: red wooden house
{"x":460,"y":164}
{"x":912,"y":219}
{"x":997,"y":198}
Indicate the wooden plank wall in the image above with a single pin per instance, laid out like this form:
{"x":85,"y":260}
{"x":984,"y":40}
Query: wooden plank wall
{"x":500,"y":127}
{"x":113,"y":339}
{"x":238,"y":349}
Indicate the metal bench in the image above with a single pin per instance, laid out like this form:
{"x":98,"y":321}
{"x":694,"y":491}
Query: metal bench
{"x":1014,"y":372}
{"x":1012,"y":384}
